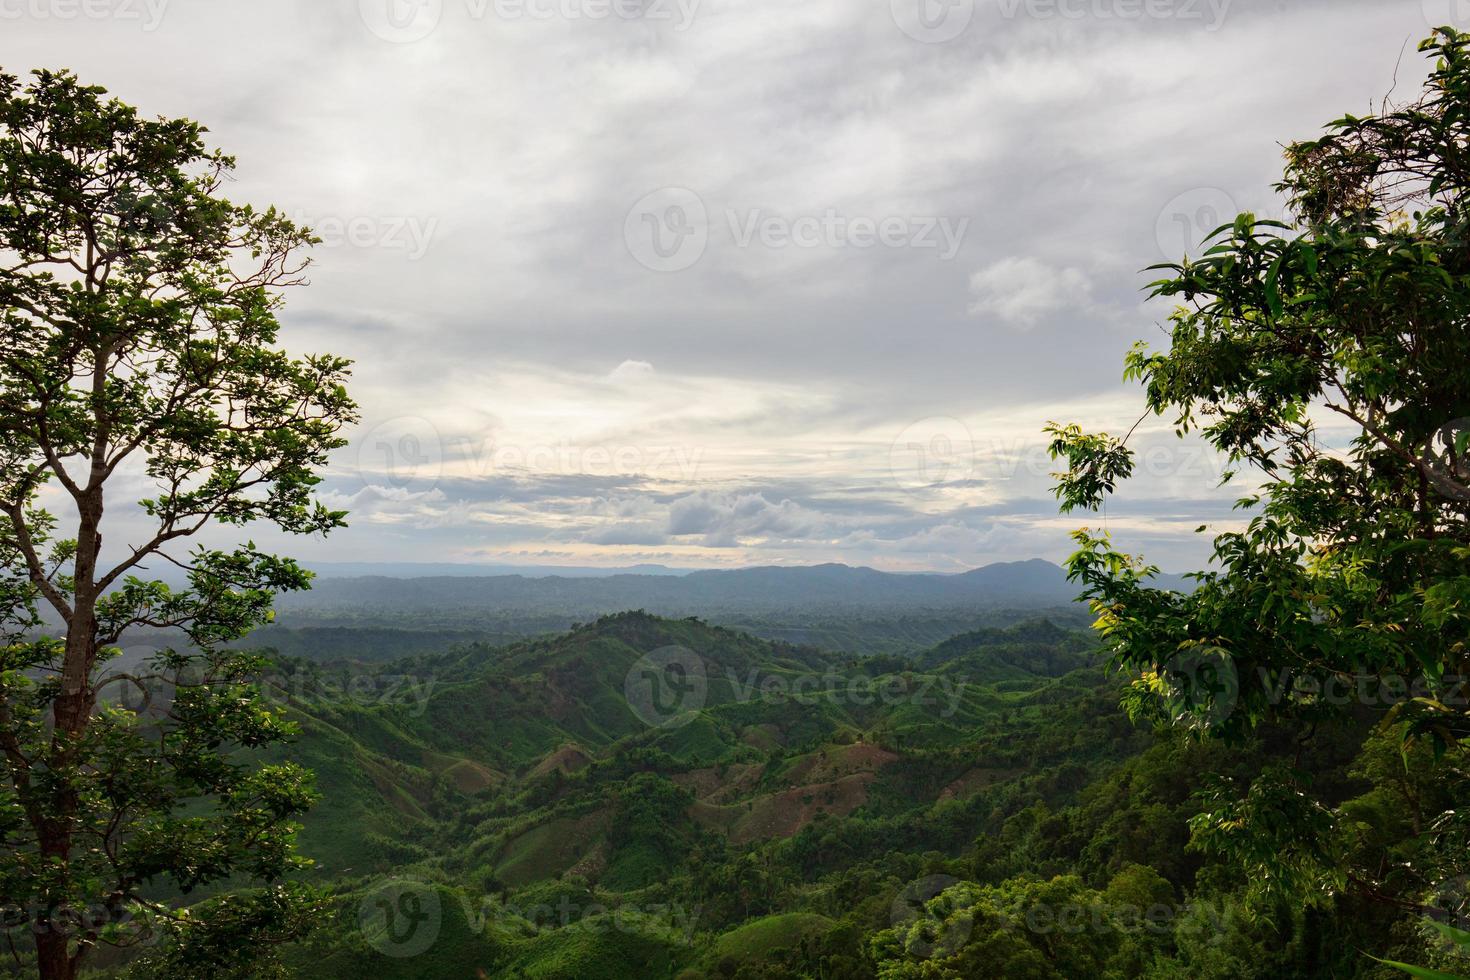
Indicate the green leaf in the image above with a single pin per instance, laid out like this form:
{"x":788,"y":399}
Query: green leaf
{"x":1423,"y":973}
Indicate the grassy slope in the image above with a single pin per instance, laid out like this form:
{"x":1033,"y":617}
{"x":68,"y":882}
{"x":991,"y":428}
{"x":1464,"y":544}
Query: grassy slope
{"x":754,"y":770}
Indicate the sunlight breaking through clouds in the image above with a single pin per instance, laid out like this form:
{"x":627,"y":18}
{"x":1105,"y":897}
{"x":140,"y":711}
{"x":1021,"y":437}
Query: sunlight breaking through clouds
{"x":532,"y":384}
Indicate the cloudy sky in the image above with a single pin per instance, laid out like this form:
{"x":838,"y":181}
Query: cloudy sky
{"x":728,"y":282}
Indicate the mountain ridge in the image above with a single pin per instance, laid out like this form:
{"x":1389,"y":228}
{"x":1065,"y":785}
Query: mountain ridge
{"x":1032,"y":583}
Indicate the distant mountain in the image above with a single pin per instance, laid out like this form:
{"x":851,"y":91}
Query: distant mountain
{"x":410,"y":569}
{"x":839,"y":608}
{"x":1033,"y":584}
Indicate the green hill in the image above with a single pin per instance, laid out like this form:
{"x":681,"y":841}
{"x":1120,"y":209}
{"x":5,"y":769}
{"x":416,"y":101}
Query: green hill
{"x":644,"y":797}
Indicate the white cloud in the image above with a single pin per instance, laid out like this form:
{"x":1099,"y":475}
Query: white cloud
{"x":525,"y":333}
{"x":725,"y":520}
{"x":1021,"y":291}
{"x":631,"y":372}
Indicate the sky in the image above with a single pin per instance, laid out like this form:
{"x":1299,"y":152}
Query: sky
{"x":716,"y":283}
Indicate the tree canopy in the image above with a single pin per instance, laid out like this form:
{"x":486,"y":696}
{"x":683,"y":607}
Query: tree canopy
{"x":1329,"y":358}
{"x":138,"y":344}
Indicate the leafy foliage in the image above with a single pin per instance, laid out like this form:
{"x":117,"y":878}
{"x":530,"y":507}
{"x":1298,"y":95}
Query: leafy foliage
{"x":138,"y":341}
{"x":1352,"y":573}
{"x":1031,"y":830}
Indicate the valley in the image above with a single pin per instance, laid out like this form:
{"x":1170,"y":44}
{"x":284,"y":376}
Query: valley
{"x":770,"y":814}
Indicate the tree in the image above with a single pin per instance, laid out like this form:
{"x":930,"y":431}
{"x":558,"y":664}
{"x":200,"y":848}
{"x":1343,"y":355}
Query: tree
{"x":137,"y":344}
{"x":1352,"y":573}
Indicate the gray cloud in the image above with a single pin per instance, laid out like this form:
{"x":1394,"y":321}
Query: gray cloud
{"x":581,"y":406}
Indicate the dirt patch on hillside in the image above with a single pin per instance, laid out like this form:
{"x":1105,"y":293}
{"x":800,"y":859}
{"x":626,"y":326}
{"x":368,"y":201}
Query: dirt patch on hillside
{"x":546,"y":850}
{"x":762,"y":737}
{"x":567,"y":759}
{"x":833,"y":781}
{"x":713,"y":786}
{"x":975,"y":780}
{"x":785,"y":813}
{"x":469,"y":777}
{"x":836,"y":762}
{"x":591,"y":866}
{"x":403,"y":798}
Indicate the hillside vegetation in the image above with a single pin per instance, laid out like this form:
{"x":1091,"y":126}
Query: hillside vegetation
{"x":980,"y":809}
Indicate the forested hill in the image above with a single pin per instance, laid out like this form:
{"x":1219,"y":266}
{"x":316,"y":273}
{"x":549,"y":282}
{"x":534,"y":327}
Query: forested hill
{"x":835,"y":607}
{"x":665,"y":798}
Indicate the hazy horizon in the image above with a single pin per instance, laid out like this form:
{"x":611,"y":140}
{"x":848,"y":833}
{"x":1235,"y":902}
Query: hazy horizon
{"x":739,"y":283}
{"x":548,"y":569}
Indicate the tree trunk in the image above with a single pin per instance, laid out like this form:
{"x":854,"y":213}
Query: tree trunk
{"x":71,"y":712}
{"x":73,"y":707}
{"x":52,"y":957}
